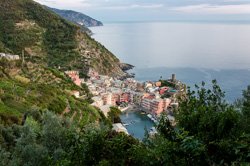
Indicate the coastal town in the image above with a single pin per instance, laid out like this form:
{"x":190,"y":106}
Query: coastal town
{"x":150,"y":97}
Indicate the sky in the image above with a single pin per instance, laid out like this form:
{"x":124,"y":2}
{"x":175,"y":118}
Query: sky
{"x":157,"y":10}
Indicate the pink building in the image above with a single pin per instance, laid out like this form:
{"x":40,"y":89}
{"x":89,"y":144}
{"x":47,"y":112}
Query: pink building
{"x":125,"y":97}
{"x":115,"y":99}
{"x":163,"y":90}
{"x":156,"y":106}
{"x":93,"y":73}
{"x":74,"y":75}
{"x":146,"y":103}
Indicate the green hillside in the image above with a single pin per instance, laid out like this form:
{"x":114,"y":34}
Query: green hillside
{"x":47,"y":38}
{"x":32,"y":86}
{"x":78,"y":18}
{"x":43,"y":123}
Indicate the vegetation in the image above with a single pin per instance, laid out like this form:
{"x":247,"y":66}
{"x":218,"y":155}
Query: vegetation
{"x":47,"y":38}
{"x":209,"y":132}
{"x":114,"y":115}
{"x":217,"y":125}
{"x":80,"y":19}
{"x":23,"y":87}
{"x":246,"y":109}
{"x":42,"y":123}
{"x":167,"y":83}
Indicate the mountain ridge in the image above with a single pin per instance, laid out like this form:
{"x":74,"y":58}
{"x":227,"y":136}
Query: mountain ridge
{"x":82,"y":20}
{"x":45,"y":37}
{"x":77,"y":17}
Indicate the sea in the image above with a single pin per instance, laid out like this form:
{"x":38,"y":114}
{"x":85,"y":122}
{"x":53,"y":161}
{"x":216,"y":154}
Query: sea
{"x":194,"y":51}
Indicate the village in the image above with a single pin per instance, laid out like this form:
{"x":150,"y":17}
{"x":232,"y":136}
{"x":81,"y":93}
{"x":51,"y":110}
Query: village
{"x":151,"y":98}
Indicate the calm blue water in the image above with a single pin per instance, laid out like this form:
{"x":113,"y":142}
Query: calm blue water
{"x":194,"y":51}
{"x":140,"y":123}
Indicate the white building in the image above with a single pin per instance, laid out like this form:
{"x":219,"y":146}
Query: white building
{"x":98,"y":102}
{"x":118,"y":127}
{"x":107,"y":98}
{"x":76,"y":94}
{"x":9,"y":56}
{"x":105,"y":109}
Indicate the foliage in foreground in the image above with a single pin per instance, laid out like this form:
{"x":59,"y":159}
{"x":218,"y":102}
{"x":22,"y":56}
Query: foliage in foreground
{"x":209,"y":132}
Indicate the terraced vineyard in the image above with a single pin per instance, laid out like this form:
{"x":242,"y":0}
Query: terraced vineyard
{"x":32,"y":86}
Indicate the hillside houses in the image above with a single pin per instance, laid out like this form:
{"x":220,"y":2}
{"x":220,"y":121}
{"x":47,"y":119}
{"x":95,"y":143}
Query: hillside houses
{"x":107,"y":91}
{"x":74,"y":75}
{"x":9,"y":56}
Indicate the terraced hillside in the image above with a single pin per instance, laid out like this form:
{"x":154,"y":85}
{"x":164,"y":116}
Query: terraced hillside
{"x":28,"y":86}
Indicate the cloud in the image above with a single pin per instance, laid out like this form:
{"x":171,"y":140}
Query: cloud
{"x":98,"y":4}
{"x":66,"y":3}
{"x":237,"y":1}
{"x":135,"y":6}
{"x":214,"y":9}
{"x":147,"y":6}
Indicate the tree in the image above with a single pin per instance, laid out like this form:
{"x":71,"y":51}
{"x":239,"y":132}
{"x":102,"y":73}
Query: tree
{"x":114,"y":115}
{"x":206,"y":116}
{"x":246,"y":109}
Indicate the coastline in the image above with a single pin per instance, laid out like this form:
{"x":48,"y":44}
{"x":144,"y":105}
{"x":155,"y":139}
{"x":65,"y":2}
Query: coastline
{"x":125,"y":67}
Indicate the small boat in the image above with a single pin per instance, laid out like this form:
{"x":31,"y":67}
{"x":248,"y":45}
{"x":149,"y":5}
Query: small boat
{"x":153,"y":131}
{"x":150,"y":116}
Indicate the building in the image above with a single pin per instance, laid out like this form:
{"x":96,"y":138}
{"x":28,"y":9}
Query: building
{"x":146,"y":103}
{"x":115,"y":98}
{"x":9,"y":56}
{"x":98,"y":102}
{"x":118,"y":127}
{"x":148,"y":85}
{"x":105,"y":109}
{"x":125,"y":97}
{"x":107,"y":98}
{"x":158,"y":84}
{"x":74,"y":75}
{"x":155,"y":106}
{"x":173,"y":79}
{"x":163,"y":90}
{"x":76,"y":93}
{"x":93,"y":73}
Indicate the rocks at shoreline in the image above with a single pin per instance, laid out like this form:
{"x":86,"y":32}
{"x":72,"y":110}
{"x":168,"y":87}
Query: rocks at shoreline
{"x":126,"y":66}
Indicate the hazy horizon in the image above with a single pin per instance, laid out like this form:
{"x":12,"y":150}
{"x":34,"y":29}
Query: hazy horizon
{"x":158,"y":10}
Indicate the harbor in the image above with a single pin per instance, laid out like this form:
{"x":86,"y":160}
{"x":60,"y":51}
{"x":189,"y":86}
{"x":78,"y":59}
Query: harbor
{"x":136,"y":123}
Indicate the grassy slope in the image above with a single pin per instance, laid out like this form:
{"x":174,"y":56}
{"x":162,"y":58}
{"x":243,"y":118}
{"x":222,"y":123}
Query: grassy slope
{"x":34,"y":86}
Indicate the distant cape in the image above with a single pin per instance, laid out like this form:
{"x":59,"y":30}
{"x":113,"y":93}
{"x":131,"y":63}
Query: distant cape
{"x":82,"y":20}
